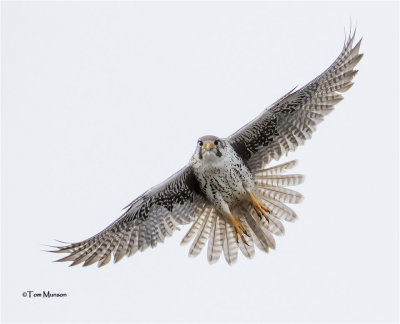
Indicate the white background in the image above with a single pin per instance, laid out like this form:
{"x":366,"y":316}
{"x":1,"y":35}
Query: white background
{"x":101,"y":101}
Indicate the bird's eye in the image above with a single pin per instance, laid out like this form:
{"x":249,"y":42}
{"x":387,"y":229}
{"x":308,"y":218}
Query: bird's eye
{"x":216,"y":142}
{"x":200,"y":143}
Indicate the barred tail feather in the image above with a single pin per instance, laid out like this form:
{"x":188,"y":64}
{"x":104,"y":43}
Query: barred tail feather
{"x":274,"y":225}
{"x":248,"y":248}
{"x":279,"y":180}
{"x":277,"y":169}
{"x":216,"y":240}
{"x":279,"y":210}
{"x":196,"y":225}
{"x":281,"y":194}
{"x":230,"y":246}
{"x":202,"y":234}
{"x":262,"y":238}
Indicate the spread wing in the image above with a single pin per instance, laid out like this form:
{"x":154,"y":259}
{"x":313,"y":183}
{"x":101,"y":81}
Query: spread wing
{"x":148,"y":220}
{"x":291,"y":120}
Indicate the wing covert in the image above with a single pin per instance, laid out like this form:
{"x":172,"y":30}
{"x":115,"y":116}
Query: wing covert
{"x":292,"y":119}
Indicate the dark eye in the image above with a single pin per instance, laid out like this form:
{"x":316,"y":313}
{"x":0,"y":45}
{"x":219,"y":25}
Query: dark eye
{"x":216,"y":142}
{"x":200,"y":143}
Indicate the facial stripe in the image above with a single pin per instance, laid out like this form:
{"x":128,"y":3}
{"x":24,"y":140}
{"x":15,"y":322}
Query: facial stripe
{"x":219,"y":154}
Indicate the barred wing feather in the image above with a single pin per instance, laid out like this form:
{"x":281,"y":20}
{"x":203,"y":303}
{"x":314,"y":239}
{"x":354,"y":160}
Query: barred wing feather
{"x":147,"y":221}
{"x":291,"y":120}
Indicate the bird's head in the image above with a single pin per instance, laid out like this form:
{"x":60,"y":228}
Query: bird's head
{"x":210,"y":148}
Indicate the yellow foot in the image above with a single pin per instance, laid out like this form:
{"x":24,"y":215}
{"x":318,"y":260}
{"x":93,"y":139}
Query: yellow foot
{"x":239,"y":230}
{"x":259,"y":208}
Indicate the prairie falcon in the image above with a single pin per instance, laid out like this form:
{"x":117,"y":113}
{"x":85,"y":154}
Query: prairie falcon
{"x":233,"y":200}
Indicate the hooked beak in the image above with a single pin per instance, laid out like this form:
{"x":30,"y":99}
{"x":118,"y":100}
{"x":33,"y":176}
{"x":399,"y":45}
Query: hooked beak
{"x":209,"y":146}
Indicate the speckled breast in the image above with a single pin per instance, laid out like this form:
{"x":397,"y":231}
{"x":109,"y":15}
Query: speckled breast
{"x":229,"y":179}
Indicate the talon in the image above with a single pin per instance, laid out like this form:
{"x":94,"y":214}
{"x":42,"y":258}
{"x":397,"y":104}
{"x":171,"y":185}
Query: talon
{"x":236,"y":236}
{"x":260,"y":209}
{"x":242,"y":238}
{"x":238,"y":230}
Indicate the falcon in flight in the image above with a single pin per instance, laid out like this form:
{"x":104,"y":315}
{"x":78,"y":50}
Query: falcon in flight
{"x":226,"y":191}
